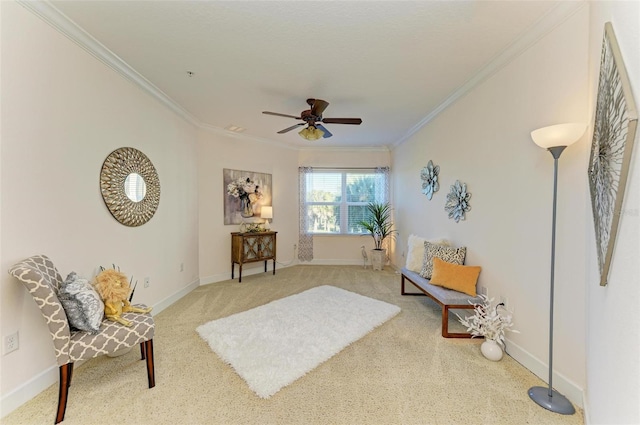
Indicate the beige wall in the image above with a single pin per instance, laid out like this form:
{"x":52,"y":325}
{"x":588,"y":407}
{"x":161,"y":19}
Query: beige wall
{"x":483,"y":140}
{"x":217,"y":151}
{"x":63,"y":112}
{"x":613,"y":326}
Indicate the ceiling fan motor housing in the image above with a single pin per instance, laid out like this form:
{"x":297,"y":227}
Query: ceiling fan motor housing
{"x":309,"y":118}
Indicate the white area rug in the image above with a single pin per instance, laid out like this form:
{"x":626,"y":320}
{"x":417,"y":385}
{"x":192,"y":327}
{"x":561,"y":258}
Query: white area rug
{"x":273,"y":345}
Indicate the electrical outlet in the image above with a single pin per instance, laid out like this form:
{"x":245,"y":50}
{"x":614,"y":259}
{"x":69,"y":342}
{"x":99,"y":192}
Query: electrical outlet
{"x":11,"y":343}
{"x":146,"y":282}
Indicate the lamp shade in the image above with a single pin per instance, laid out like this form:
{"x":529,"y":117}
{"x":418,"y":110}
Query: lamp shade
{"x":266,"y":212}
{"x":311,"y":133}
{"x":558,"y":135}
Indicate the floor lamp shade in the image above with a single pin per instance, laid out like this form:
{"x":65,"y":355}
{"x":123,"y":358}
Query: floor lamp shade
{"x":558,"y":135}
{"x":555,"y":139}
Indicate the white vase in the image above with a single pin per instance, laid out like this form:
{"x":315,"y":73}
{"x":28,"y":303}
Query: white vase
{"x":491,"y":350}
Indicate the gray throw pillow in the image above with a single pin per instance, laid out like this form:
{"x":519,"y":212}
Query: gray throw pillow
{"x":82,"y":303}
{"x":445,"y":253}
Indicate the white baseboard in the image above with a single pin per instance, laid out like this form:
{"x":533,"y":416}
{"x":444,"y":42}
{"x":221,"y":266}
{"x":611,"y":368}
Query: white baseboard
{"x":561,"y":383}
{"x":247,"y":270}
{"x":585,"y":409}
{"x":335,"y":262}
{"x":29,"y":390}
{"x":49,"y":376}
{"x":159,"y":306}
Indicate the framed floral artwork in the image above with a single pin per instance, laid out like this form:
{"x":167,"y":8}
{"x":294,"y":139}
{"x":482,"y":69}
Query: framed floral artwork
{"x":245,"y":192}
{"x":614,"y":131}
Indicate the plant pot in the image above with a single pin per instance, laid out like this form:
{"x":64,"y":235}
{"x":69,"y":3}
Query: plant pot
{"x":378,"y":258}
{"x":491,"y":350}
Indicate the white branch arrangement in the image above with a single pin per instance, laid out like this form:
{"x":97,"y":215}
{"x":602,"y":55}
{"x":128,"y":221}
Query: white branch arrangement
{"x":488,"y":321}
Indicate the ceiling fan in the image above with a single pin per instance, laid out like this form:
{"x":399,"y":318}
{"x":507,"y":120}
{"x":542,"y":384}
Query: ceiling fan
{"x":312,"y":119}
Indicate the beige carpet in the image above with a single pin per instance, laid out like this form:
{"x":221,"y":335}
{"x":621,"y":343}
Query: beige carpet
{"x":403,"y":372}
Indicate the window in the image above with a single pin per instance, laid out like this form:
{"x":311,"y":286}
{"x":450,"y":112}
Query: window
{"x":336,"y":201}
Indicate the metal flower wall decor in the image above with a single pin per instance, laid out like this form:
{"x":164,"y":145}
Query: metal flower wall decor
{"x":429,"y":176}
{"x":458,"y":201}
{"x":614,"y":131}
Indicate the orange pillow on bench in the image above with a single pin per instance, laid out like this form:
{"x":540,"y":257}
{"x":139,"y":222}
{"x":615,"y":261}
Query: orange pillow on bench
{"x":452,"y":276}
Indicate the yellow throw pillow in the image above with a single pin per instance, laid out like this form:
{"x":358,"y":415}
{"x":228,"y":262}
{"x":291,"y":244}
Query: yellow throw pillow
{"x":452,"y":276}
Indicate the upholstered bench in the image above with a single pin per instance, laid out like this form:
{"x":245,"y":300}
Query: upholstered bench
{"x":446,"y":298}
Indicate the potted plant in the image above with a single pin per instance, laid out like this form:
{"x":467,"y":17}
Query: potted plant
{"x":490,"y":323}
{"x":380,"y":227}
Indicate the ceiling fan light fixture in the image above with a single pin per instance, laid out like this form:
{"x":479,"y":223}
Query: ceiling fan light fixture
{"x":311,"y":133}
{"x":313,"y":119}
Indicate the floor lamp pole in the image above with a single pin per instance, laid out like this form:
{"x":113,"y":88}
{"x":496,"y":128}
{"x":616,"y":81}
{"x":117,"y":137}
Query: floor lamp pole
{"x":548,"y":397}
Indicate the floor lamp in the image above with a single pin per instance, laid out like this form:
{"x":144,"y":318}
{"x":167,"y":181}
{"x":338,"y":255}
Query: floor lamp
{"x":554,"y":139}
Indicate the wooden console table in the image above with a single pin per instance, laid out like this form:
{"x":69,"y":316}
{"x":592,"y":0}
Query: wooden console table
{"x":251,"y":247}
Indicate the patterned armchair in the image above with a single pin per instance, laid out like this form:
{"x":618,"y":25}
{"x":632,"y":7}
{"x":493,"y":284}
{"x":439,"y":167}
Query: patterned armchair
{"x":42,"y":280}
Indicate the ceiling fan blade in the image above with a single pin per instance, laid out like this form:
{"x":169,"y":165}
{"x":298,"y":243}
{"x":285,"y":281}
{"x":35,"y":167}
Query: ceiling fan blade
{"x":281,"y":115}
{"x":317,"y":106}
{"x":354,"y":121}
{"x":327,"y":133}
{"x":290,"y":128}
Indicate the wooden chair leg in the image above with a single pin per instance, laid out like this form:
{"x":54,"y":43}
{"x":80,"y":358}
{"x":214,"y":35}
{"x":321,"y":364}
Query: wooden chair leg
{"x":70,"y":373}
{"x":142,"y":351}
{"x":148,"y":348}
{"x":66,"y":371}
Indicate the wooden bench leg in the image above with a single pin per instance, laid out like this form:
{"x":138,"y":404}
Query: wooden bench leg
{"x":402,"y":291}
{"x":445,"y":309}
{"x":445,"y":325}
{"x":445,"y":321}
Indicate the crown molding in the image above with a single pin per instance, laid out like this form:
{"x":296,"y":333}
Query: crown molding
{"x":50,"y":14}
{"x":58,"y":20}
{"x":262,"y":140}
{"x":246,"y":137}
{"x":541,"y":28}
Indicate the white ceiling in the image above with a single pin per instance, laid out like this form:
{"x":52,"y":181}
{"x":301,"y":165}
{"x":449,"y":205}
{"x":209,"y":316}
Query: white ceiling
{"x":395,"y":64}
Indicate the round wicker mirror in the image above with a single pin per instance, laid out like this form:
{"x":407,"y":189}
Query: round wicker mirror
{"x":127,"y":171}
